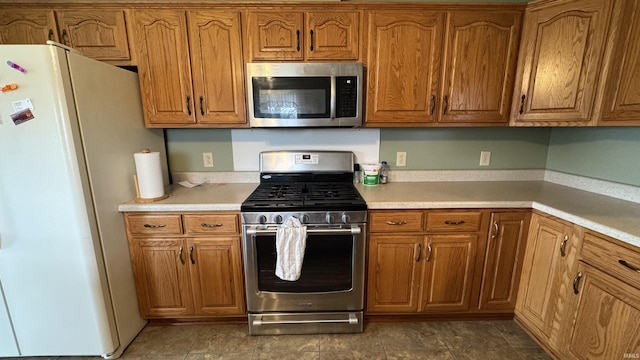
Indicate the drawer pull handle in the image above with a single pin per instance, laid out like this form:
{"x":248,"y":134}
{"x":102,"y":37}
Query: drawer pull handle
{"x":429,"y":251}
{"x":632,"y":267}
{"x":401,"y":222}
{"x":180,"y":255}
{"x":576,"y":282}
{"x":159,"y":226}
{"x":495,"y":226}
{"x":563,"y":245}
{"x":205,"y":225}
{"x":193,"y":261}
{"x":451,"y":222}
{"x":418,"y":252}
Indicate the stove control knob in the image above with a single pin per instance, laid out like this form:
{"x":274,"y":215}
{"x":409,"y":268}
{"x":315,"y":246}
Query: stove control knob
{"x":346,"y":218}
{"x":277,"y":219}
{"x":305,"y":219}
{"x":329,"y":218}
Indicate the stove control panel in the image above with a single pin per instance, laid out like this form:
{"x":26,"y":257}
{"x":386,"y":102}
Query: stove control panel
{"x":309,"y":217}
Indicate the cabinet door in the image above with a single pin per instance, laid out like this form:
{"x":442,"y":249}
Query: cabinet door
{"x":503,"y":261}
{"x":163,"y":68}
{"x":275,"y":35}
{"x":606,"y":319}
{"x":548,"y":270}
{"x":394,"y":273}
{"x":559,"y":63}
{"x":403,"y":65}
{"x":22,"y":26}
{"x":98,"y":34}
{"x":332,"y":35}
{"x":621,"y":103}
{"x":216,"y":275}
{"x":482,"y":47}
{"x":217,"y":67}
{"x":162,"y":277}
{"x":450,"y":261}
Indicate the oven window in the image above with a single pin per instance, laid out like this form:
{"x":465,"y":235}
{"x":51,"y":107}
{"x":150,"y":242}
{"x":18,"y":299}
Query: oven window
{"x":291,"y":97}
{"x":327,"y":265}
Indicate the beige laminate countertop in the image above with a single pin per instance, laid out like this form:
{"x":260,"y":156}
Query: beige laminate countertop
{"x":610,"y":216}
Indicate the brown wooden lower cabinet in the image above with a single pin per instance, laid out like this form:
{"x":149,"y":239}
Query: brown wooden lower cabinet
{"x":195,"y":272}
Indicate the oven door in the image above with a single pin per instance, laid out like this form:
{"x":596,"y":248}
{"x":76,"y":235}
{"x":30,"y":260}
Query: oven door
{"x":332,"y":276}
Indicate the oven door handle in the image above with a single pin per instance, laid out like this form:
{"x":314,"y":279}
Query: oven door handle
{"x":353,"y":230}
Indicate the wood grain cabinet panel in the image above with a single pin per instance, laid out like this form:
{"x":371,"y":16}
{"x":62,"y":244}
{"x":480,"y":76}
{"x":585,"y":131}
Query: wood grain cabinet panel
{"x":98,"y":34}
{"x":479,"y":67}
{"x":549,"y":268}
{"x":396,"y":221}
{"x":162,"y":277}
{"x":190,"y":77}
{"x":403,"y":66}
{"x":303,"y":35}
{"x":506,"y":243}
{"x":27,"y":26}
{"x":606,"y":318}
{"x":620,"y":89}
{"x":559,"y":63}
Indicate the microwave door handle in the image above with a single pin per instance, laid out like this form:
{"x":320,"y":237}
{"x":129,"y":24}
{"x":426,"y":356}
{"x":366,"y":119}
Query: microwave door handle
{"x":334,"y":93}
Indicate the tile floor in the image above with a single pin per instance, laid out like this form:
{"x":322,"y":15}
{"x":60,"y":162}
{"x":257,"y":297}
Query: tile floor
{"x":446,"y":340}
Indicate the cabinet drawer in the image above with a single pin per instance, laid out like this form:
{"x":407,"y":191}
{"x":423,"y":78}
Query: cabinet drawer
{"x":612,"y":258}
{"x":154,"y":224}
{"x":454,"y":221}
{"x":211,"y":224}
{"x":396,"y":221}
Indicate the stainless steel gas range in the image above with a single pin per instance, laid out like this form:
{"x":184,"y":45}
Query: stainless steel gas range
{"x":316,"y":189}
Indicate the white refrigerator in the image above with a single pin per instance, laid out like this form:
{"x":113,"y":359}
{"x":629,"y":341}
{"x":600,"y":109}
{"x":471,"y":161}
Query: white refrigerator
{"x":68,"y":131}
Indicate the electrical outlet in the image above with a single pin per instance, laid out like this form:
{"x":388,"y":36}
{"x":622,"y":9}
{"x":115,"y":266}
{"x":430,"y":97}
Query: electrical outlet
{"x":401,"y":158}
{"x":207,"y":159}
{"x":485,"y":158}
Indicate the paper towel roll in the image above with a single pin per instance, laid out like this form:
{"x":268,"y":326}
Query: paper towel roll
{"x":149,"y":172}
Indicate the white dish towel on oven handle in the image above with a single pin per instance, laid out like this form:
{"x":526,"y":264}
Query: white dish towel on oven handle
{"x":291,"y":240}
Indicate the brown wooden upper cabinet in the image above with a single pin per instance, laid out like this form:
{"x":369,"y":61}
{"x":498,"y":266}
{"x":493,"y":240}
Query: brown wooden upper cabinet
{"x":559,"y":62}
{"x":619,"y":91}
{"x":190,"y":76}
{"x":100,"y":34}
{"x":435,"y":67}
{"x":303,"y":35}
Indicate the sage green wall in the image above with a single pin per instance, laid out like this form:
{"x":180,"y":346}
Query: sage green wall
{"x":185,"y":148}
{"x":459,"y":148}
{"x":603,"y":153}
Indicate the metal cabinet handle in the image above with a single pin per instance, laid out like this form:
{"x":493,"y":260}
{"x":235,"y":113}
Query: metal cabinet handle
{"x":180,"y":255}
{"x":50,"y":34}
{"x":401,"y":222}
{"x":433,"y":104}
{"x":201,"y":106}
{"x":451,"y":222}
{"x":311,"y":40}
{"x":429,"y":251}
{"x":522,"y":104}
{"x":446,"y":105}
{"x":64,"y":37}
{"x":189,"y":105}
{"x":205,"y":225}
{"x":576,"y":282}
{"x":496,"y":229}
{"x":159,"y":226}
{"x":418,"y":252}
{"x":632,"y":267}
{"x":298,"y":39}
{"x":193,"y":261}
{"x":563,"y":245}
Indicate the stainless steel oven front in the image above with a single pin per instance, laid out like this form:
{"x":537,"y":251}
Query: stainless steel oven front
{"x":329,"y":295}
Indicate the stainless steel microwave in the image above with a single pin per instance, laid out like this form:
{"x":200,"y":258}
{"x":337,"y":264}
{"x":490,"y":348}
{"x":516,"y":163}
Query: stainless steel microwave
{"x":304,"y":94}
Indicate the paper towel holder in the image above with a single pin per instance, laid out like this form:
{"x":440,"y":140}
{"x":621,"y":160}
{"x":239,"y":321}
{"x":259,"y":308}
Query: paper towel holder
{"x":135,"y":181}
